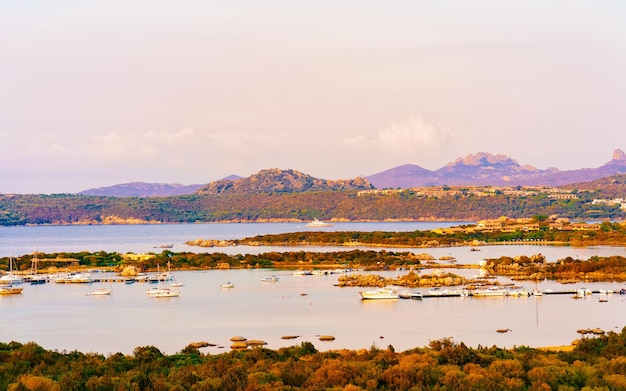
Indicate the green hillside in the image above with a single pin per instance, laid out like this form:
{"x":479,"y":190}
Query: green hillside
{"x":404,"y":205}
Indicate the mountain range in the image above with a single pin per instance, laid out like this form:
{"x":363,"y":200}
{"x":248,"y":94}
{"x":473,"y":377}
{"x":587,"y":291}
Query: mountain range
{"x":484,"y":169}
{"x":480,"y":169}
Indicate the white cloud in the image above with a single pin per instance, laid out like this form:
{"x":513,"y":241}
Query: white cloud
{"x":47,"y":145}
{"x":116,"y":144}
{"x":169,"y":137}
{"x":416,"y":134}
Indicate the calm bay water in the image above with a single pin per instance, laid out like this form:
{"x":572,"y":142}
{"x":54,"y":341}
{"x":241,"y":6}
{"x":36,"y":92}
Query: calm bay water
{"x":146,"y":238}
{"x":65,"y":317}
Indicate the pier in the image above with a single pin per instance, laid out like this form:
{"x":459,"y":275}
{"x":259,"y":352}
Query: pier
{"x":573,"y":292}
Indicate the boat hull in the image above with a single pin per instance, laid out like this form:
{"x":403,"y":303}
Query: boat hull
{"x":380,"y":294}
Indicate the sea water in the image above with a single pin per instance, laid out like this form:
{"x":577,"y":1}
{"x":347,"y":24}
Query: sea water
{"x":65,"y":317}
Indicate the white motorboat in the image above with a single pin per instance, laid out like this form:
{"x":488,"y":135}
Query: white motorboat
{"x":10,"y":290}
{"x":318,"y":224}
{"x":518,"y":293}
{"x":227,"y":285}
{"x":407,"y":294}
{"x":164,"y":293}
{"x":101,"y":292}
{"x":581,"y":293}
{"x":380,"y":294}
{"x":445,"y":292}
{"x":270,"y":279}
{"x":492,"y":291}
{"x":80,"y":278}
{"x":141,"y":277}
{"x":153,"y":291}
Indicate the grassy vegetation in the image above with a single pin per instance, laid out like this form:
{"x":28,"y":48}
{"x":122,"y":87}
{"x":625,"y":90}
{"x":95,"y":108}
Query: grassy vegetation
{"x":609,"y":234}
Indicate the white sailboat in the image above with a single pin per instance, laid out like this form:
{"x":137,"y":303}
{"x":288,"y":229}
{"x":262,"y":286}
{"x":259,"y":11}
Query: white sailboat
{"x":176,"y":283}
{"x":161,"y":293}
{"x":35,"y":277}
{"x":153,"y":291}
{"x":11,"y":277}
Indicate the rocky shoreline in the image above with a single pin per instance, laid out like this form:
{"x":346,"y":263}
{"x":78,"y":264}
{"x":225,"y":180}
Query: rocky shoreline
{"x":410,"y":280}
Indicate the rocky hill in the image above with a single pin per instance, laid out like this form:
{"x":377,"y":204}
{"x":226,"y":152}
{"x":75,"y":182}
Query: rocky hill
{"x":609,"y":187}
{"x":282,"y":181}
{"x":480,"y":169}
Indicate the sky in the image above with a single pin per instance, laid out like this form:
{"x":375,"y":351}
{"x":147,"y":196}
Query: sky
{"x":98,"y":93}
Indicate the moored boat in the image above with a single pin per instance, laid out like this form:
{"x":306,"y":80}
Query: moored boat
{"x":438,"y":292}
{"x":520,"y":292}
{"x":380,"y":294}
{"x":35,"y":278}
{"x":318,"y":224}
{"x":101,"y":292}
{"x":164,"y":293}
{"x":10,"y":290}
{"x":81,"y":278}
{"x":153,"y":291}
{"x":492,"y":291}
{"x":407,"y":294}
{"x":159,"y":292}
{"x":11,"y":277}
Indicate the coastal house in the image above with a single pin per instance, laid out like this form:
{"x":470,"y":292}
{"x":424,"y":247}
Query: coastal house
{"x":560,"y":226}
{"x":563,"y":196}
{"x":489,"y":225}
{"x":585,"y":227}
{"x":138,"y":257}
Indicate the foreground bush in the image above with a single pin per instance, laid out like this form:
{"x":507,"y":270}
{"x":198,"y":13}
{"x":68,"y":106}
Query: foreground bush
{"x":593,"y":364}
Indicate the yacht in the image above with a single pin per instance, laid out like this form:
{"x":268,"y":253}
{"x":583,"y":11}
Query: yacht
{"x":407,"y":294}
{"x":318,"y":224}
{"x":492,"y":291}
{"x":10,"y":290}
{"x":101,"y":292}
{"x":11,"y":277}
{"x":380,"y":294}
{"x":163,"y":293}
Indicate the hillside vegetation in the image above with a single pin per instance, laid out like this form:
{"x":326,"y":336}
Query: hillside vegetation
{"x":262,"y":207}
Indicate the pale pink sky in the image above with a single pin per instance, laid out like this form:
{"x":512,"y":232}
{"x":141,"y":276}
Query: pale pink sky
{"x":97,"y":93}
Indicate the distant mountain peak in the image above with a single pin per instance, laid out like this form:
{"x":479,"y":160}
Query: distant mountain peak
{"x":484,"y":159}
{"x":618,"y":154}
{"x":482,"y":169}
